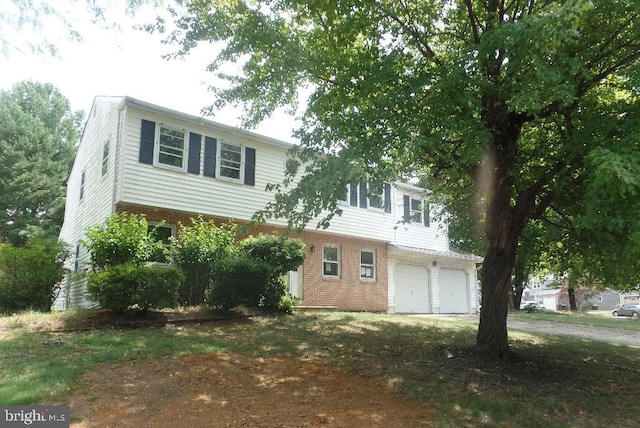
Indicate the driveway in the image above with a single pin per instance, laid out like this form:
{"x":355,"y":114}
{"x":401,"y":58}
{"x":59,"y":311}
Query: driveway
{"x":601,"y":334}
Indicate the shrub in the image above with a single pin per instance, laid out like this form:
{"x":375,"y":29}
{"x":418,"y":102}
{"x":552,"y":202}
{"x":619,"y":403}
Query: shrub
{"x":30,"y":276}
{"x":125,"y":286}
{"x":239,"y":281}
{"x":281,"y":253}
{"x":197,"y":250}
{"x":124,"y":239}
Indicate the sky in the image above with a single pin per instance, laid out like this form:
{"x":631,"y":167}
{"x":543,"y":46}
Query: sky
{"x":119,"y":61}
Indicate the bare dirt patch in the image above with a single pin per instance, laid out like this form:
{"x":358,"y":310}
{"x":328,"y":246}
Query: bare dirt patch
{"x":229,"y":390}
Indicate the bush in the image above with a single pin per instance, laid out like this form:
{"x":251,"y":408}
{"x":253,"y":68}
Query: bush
{"x":282,"y":254}
{"x":197,"y":250}
{"x":238,"y":281}
{"x":125,"y":239}
{"x":30,"y":276}
{"x":242,"y":281}
{"x":125,"y":286}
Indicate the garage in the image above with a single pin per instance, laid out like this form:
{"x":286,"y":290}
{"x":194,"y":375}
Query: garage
{"x":411,"y":289}
{"x":453,"y":291}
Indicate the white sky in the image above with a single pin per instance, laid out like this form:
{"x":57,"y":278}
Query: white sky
{"x":120,"y":62}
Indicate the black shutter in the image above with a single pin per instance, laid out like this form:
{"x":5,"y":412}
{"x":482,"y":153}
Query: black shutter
{"x":353,"y":193}
{"x":210,"y":151}
{"x":195,"y":141}
{"x":387,"y":197}
{"x":407,"y":208}
{"x":250,"y":166}
{"x":363,"y":194}
{"x":427,"y":220}
{"x":147,"y":139}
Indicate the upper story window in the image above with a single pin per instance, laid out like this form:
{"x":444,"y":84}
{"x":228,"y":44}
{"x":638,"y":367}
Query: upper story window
{"x":82,"y":181}
{"x":331,"y":261}
{"x":182,"y":150}
{"x":171,"y":147}
{"x":367,"y":265}
{"x":377,"y":196}
{"x":76,"y":259}
{"x":416,"y":211}
{"x":230,"y":161}
{"x":105,"y":157}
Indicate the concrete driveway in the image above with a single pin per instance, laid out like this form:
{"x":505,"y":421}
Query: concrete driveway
{"x":600,"y":334}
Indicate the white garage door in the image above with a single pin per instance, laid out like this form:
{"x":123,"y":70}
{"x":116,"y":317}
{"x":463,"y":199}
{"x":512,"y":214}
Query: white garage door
{"x":453,"y":291}
{"x":412,"y":289}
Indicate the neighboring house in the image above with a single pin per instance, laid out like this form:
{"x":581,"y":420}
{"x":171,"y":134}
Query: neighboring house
{"x":630,"y":298}
{"x":542,"y":292}
{"x":385,"y":253}
{"x":604,"y":300}
{"x":547,"y":293}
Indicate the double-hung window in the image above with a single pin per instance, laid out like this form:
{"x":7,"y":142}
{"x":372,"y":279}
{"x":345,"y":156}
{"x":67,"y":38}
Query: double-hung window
{"x":163,"y":233}
{"x":416,"y":211}
{"x":82,"y":182}
{"x":105,"y":157}
{"x":376,"y":197}
{"x":367,"y":265}
{"x":172,"y":147}
{"x":331,"y":261}
{"x":230,"y":161}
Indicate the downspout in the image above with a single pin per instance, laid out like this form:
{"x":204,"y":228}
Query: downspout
{"x":120,"y":111}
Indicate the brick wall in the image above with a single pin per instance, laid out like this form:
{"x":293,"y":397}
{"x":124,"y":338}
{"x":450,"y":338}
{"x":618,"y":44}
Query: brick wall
{"x":347,"y":292}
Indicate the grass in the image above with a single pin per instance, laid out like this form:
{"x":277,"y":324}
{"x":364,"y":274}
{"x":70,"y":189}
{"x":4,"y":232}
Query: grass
{"x":551,"y":382}
{"x":594,"y":318}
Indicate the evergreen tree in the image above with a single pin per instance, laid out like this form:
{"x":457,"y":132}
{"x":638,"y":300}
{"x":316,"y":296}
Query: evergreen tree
{"x":38,"y":137}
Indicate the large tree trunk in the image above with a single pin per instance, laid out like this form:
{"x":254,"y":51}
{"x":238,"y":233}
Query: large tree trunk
{"x":496,"y":291}
{"x":572,"y":298}
{"x":503,"y":226}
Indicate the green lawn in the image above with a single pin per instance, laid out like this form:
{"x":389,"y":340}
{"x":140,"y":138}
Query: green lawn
{"x":594,"y":318}
{"x":551,"y":381}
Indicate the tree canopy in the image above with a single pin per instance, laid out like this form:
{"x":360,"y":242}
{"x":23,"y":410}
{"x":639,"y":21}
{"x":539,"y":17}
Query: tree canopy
{"x":530,"y":107}
{"x":38,"y":137}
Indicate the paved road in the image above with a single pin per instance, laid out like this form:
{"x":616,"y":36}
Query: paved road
{"x":586,"y":332}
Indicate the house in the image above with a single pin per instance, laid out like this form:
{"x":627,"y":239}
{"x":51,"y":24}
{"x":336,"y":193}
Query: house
{"x":385,"y":253}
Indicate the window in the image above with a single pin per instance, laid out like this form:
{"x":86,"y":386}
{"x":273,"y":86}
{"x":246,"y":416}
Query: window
{"x":171,"y":147}
{"x":76,"y":259}
{"x":367,"y":265}
{"x":330,"y":261}
{"x":105,"y":157}
{"x":163,"y":232}
{"x":600,"y":299}
{"x":82,"y":179}
{"x":376,"y":197}
{"x":230,"y":161}
{"x":416,"y":211}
